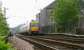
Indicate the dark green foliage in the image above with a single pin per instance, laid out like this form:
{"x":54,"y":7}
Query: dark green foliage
{"x":3,"y":25}
{"x":66,"y":13}
{"x":3,"y":45}
{"x":4,"y":31}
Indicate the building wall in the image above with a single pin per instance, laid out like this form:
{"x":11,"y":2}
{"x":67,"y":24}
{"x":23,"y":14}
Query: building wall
{"x":44,"y":18}
{"x":81,"y":14}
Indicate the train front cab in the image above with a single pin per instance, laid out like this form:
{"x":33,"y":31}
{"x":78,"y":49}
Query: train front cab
{"x":34,"y":30}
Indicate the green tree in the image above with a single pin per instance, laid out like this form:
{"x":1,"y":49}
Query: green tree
{"x":4,"y":31}
{"x":66,"y":13}
{"x":3,"y":25}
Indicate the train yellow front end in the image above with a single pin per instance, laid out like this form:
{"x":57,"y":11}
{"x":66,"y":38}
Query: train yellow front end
{"x":34,"y":27}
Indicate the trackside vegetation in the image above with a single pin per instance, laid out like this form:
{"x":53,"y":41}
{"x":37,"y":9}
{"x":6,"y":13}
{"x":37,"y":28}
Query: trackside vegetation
{"x":4,"y":31}
{"x":3,"y":45}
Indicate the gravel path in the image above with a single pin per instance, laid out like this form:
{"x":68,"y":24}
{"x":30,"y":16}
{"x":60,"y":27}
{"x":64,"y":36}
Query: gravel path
{"x":20,"y":44}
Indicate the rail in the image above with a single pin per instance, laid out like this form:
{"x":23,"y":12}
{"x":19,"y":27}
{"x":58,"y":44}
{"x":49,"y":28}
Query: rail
{"x":47,"y":43}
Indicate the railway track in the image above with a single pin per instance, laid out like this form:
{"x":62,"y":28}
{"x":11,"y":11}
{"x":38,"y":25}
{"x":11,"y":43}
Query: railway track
{"x":62,"y":38}
{"x":48,"y":43}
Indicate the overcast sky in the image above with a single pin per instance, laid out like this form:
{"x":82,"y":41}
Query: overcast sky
{"x":22,"y":11}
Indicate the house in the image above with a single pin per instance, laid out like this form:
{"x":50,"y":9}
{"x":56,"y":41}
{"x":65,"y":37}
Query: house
{"x":45,"y":19}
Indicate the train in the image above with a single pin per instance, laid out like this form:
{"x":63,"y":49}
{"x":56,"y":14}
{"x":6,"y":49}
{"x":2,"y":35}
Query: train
{"x":34,"y":27}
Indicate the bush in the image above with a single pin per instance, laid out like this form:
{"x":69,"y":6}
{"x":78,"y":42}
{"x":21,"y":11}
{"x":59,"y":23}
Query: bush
{"x":3,"y":45}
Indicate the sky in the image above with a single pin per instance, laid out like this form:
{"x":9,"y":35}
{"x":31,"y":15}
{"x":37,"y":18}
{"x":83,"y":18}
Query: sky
{"x":22,"y":11}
